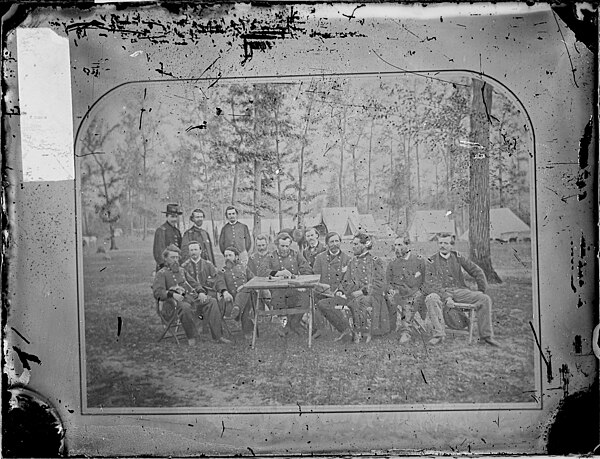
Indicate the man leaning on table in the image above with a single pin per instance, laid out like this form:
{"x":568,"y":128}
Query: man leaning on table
{"x":287,"y":263}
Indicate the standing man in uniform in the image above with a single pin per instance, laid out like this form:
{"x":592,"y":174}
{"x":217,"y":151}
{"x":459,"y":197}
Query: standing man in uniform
{"x":313,"y":245}
{"x":447,"y":269}
{"x":409,"y":287}
{"x":285,"y":262}
{"x":167,"y":234}
{"x":196,"y":233}
{"x":236,"y":234}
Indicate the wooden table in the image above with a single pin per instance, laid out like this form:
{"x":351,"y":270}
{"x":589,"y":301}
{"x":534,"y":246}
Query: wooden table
{"x":266,"y":283}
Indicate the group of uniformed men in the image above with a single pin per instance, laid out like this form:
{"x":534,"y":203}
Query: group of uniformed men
{"x":373,"y":294}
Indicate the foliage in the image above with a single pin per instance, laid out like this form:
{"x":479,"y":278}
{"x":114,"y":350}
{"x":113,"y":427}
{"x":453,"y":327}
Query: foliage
{"x":388,"y":146}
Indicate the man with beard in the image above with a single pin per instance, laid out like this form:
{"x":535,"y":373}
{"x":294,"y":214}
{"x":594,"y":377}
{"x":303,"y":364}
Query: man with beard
{"x":236,"y":234}
{"x":447,"y":269}
{"x":236,"y":275}
{"x":196,"y":233}
{"x":313,"y":246}
{"x":257,"y":262}
{"x":285,"y":262}
{"x":179,"y":291}
{"x":409,"y":287}
{"x":331,"y":265}
{"x":363,"y":287}
{"x":167,"y":234}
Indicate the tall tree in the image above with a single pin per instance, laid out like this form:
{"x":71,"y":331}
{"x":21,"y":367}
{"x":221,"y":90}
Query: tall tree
{"x":479,"y":192}
{"x":104,"y":173}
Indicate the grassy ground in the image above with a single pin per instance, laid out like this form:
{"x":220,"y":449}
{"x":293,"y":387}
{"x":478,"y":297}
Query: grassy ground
{"x":130,"y":369}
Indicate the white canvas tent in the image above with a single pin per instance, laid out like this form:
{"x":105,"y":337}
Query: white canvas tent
{"x":426,"y":224}
{"x":336,"y":218}
{"x":367,"y":223}
{"x":505,"y":226}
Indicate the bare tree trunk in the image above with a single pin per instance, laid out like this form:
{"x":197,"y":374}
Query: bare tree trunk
{"x":278,"y":173}
{"x":355,"y":169}
{"x":301,"y":164}
{"x":258,"y":166}
{"x":479,"y":193}
{"x":437,"y":188}
{"x":341,"y":175}
{"x":235,"y":183}
{"x":418,"y":170}
{"x":369,"y":168}
{"x":145,"y":182}
{"x":391,"y":178}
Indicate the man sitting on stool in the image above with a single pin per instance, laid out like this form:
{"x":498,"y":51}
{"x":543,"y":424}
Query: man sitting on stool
{"x":409,"y":285}
{"x":236,"y":275}
{"x":180,"y":292}
{"x":332,"y":265}
{"x":447,"y":266}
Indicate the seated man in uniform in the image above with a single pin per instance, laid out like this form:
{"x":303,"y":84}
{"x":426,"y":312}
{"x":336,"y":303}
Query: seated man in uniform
{"x":447,"y":269}
{"x":180,"y":291}
{"x":363,"y":288}
{"x":332,"y":265}
{"x":285,"y":262}
{"x":257,"y":261}
{"x":236,"y":275}
{"x":205,"y":275}
{"x":409,"y":287}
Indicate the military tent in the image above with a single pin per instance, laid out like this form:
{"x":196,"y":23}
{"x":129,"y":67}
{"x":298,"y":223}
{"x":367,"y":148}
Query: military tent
{"x":505,"y":226}
{"x":426,"y":224}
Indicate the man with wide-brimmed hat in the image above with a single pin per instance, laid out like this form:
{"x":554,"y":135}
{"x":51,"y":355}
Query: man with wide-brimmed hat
{"x":167,"y":234}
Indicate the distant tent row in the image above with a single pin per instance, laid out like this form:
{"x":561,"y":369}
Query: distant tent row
{"x":348,"y":222}
{"x":426,"y":224}
{"x":505,"y":226}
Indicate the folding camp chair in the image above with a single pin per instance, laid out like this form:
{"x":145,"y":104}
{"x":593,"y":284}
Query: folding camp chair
{"x":172,"y":326}
{"x":468,"y":309}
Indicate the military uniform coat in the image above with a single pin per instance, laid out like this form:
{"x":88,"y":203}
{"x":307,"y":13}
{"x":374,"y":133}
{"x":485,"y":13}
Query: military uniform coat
{"x":448,"y":273}
{"x":370,"y":311}
{"x":257,"y":262}
{"x":164,"y":236}
{"x":294,"y":262}
{"x":236,"y":235}
{"x":204,"y":274}
{"x":235,"y":276}
{"x":165,"y":279}
{"x":331,"y":268}
{"x":310,"y":253}
{"x":201,"y":236}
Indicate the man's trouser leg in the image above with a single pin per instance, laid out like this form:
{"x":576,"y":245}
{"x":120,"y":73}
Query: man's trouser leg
{"x":212,"y":314}
{"x":187,"y":316}
{"x":243,"y":300}
{"x":334,"y":316}
{"x":392,"y":314}
{"x":284,"y":299}
{"x":404,"y":306}
{"x":361,"y":315}
{"x":484,"y":308}
{"x":433,"y":302}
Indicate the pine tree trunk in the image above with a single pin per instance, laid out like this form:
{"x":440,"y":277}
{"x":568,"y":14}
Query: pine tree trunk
{"x":257,"y":194}
{"x":479,"y":191}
